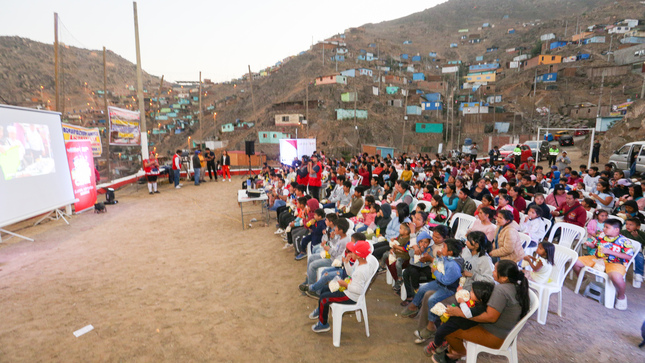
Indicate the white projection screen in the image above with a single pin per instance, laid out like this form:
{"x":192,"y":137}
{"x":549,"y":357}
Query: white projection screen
{"x":34,"y":172}
{"x":291,"y":149}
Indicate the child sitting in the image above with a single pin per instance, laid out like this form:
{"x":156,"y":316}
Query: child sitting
{"x":594,"y":229}
{"x":632,"y":231}
{"x":353,"y":289}
{"x":420,"y":259}
{"x":438,"y":213}
{"x":315,"y":237}
{"x":541,"y":263}
{"x":398,"y":258}
{"x":340,"y":267}
{"x":534,"y":226}
{"x":367,"y":219}
{"x":478,"y":266}
{"x":334,"y":248}
{"x":476,"y":305}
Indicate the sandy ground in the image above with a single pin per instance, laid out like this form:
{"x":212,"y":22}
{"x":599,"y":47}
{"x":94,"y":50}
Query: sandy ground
{"x":172,"y":277}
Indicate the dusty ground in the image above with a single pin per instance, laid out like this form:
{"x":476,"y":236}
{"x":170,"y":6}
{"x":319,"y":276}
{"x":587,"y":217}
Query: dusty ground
{"x":172,"y":277}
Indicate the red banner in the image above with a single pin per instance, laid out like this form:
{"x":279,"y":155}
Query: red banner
{"x":81,"y":166}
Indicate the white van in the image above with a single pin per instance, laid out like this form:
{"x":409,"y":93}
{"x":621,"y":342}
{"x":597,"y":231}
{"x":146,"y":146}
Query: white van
{"x":623,"y":158}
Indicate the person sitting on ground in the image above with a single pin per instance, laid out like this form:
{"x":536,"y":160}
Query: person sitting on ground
{"x":632,"y":231}
{"x":534,"y":226}
{"x":571,"y":211}
{"x":483,"y":223}
{"x":480,"y":293}
{"x":506,"y":244}
{"x":361,"y":277}
{"x":465,"y":205}
{"x":508,"y":303}
{"x":541,"y":263}
{"x":615,"y":251}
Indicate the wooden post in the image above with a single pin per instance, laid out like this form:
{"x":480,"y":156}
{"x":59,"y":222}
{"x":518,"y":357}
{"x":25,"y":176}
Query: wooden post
{"x":405,"y":117}
{"x":107,"y":114}
{"x":56,"y":76}
{"x":251,"y":82}
{"x":142,"y":106}
{"x":201,"y":120}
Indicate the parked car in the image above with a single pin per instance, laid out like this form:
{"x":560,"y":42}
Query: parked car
{"x":624,"y":157}
{"x":566,"y":140}
{"x":559,"y":134}
{"x":580,"y":132}
{"x":507,"y":150}
{"x":544,"y":148}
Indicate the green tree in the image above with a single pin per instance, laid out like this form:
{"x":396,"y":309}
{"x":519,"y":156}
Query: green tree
{"x":537,"y":49}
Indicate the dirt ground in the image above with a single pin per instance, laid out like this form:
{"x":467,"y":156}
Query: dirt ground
{"x":172,"y":277}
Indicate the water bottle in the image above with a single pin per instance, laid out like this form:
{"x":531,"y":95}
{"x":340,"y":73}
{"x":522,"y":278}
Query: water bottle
{"x":248,"y":183}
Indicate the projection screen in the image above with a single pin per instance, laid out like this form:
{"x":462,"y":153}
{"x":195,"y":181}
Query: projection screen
{"x":34,"y":172}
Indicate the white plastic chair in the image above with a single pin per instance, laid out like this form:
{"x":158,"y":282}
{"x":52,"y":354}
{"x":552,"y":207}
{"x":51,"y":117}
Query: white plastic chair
{"x":509,"y":348}
{"x":465,"y":222}
{"x":589,"y":217}
{"x":426,"y":203}
{"x":610,"y":289}
{"x":547,"y":223}
{"x":337,"y":310}
{"x":525,"y":240}
{"x":616,"y":218}
{"x":563,"y":255}
{"x":551,"y":208}
{"x":571,"y":235}
{"x":477,"y":202}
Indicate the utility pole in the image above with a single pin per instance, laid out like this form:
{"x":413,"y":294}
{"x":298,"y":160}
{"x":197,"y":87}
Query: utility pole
{"x":611,"y":40}
{"x":142,"y":106}
{"x":535,"y":82}
{"x":307,"y":102}
{"x":201,"y":119}
{"x":602,"y":83}
{"x":251,"y":82}
{"x":107,"y":113}
{"x":56,"y":76}
{"x":323,"y":45}
{"x":566,"y":26}
{"x":405,"y":118}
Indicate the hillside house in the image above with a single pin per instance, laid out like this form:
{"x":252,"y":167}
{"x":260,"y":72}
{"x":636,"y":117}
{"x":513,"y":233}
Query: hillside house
{"x":288,"y":119}
{"x":333,"y":79}
{"x":272,"y":137}
{"x":413,"y":110}
{"x":432,"y":85}
{"x":638,"y":32}
{"x":343,"y":114}
{"x":474,"y":41}
{"x":556,"y":45}
{"x":481,"y":77}
{"x":416,"y":58}
{"x":631,"y":55}
{"x":588,"y":111}
{"x":407,"y":42}
{"x":521,"y":57}
{"x":483,"y":67}
{"x":545,"y":37}
{"x":632,"y":40}
{"x":394,"y":79}
{"x":432,"y":54}
{"x":594,"y":40}
{"x":453,"y":69}
{"x":510,"y":31}
{"x":418,"y":77}
{"x":549,"y":59}
{"x":365,"y":72}
{"x":491,"y":49}
{"x":569,"y":59}
{"x":580,"y":36}
{"x":228,"y":127}
{"x":348,"y":97}
{"x":428,"y":128}
{"x":462,"y":31}
{"x":341,"y":50}
{"x":629,"y":22}
{"x":494,"y":99}
{"x":432,"y":97}
{"x":479,"y":58}
{"x":370,"y":57}
{"x":431,"y":106}
{"x":454,"y":62}
{"x":618,"y":29}
{"x":405,"y":56}
{"x":454,"y":45}
{"x":395,"y":103}
{"x":338,"y":58}
{"x":371,"y":45}
{"x":548,"y":77}
{"x":476,"y":110}
{"x":349,"y":73}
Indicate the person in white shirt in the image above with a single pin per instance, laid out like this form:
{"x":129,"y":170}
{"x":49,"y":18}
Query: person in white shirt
{"x":591,"y":179}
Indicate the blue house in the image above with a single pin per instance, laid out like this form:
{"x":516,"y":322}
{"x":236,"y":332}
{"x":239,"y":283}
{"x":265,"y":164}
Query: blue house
{"x":369,"y":57}
{"x":413,"y":110}
{"x":479,"y":58}
{"x":432,"y":54}
{"x":361,"y":57}
{"x":492,"y":49}
{"x":431,"y":106}
{"x":372,"y":45}
{"x":548,"y":77}
{"x":453,"y":45}
{"x":416,"y":58}
{"x":338,"y":58}
{"x":407,"y":42}
{"x":363,"y":51}
{"x":404,"y":56}
{"x":555,"y":45}
{"x":483,"y":67}
{"x":419,"y":92}
{"x":432,"y":97}
{"x":348,"y":73}
{"x":580,"y":57}
{"x":418,"y":77}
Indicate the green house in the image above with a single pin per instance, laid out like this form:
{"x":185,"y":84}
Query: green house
{"x":228,"y":127}
{"x":429,"y":128}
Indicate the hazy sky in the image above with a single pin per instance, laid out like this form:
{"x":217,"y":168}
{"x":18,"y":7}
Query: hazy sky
{"x":181,"y":38}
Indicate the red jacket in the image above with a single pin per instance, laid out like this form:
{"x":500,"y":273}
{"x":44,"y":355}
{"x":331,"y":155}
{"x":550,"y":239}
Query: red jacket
{"x":176,"y":162}
{"x":575,"y":215}
{"x":315,"y":179}
{"x":366,"y":177}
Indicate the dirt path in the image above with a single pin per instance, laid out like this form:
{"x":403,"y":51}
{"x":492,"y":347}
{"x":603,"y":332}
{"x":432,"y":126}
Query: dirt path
{"x":172,"y":277}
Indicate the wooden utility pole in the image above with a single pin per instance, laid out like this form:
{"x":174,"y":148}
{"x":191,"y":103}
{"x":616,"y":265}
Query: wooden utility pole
{"x":307,"y":103}
{"x":251,"y":83}
{"x":107,"y":113}
{"x":56,"y":79}
{"x":159,"y":95}
{"x":201,"y":120}
{"x":405,"y":118}
{"x":142,"y":106}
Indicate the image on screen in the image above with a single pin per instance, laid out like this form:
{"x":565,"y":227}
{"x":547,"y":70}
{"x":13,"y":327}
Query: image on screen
{"x":25,"y":151}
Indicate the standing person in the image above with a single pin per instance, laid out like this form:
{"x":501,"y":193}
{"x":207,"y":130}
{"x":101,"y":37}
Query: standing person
{"x":595,"y":153}
{"x":494,"y":155}
{"x":197,"y":166}
{"x":553,"y":153}
{"x":151,"y":167}
{"x":473,"y":151}
{"x":211,"y":169}
{"x":176,"y":167}
{"x":226,"y":166}
{"x":202,"y":163}
{"x":315,"y":169}
{"x":563,"y":161}
{"x":517,"y":154}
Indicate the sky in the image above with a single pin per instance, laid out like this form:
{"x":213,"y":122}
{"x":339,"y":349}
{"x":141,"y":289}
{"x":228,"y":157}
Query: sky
{"x":181,"y":38}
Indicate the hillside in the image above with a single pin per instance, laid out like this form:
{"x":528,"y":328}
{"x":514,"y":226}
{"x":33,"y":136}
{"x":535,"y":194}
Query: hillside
{"x":230,"y":104}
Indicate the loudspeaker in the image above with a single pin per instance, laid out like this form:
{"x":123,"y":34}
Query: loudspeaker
{"x":250,"y":147}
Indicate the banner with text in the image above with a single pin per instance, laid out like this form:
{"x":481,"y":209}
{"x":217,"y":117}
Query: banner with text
{"x":72,"y":132}
{"x":81,"y":167}
{"x":124,"y":127}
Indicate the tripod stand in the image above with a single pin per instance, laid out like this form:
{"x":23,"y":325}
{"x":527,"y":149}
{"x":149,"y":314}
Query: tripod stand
{"x":251,"y":173}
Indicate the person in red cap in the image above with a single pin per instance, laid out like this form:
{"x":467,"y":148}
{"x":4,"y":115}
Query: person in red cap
{"x":352,"y":290}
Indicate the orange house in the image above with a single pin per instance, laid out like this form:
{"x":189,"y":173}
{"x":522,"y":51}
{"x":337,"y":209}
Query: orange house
{"x":549,"y":59}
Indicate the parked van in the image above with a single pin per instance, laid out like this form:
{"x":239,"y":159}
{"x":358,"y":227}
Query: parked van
{"x":624,"y":157}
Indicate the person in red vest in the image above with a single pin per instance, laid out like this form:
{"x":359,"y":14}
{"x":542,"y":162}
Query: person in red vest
{"x":528,"y":165}
{"x":176,"y":167}
{"x":315,"y":169}
{"x":151,"y":167}
{"x":363,"y":171}
{"x":302,"y":175}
